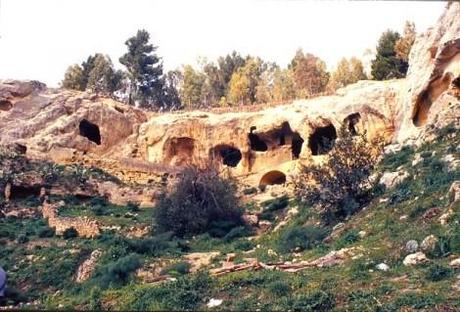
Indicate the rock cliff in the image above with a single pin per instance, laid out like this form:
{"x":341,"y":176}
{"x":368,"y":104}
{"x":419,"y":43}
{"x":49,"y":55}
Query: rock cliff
{"x":262,"y":147}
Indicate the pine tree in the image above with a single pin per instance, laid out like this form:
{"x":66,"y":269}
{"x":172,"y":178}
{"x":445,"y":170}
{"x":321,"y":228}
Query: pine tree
{"x":386,"y":64}
{"x":145,"y":71}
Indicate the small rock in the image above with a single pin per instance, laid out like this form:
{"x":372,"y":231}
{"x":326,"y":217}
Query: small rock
{"x":411,"y":246}
{"x":362,"y":234}
{"x":382,"y":267}
{"x":455,"y":263}
{"x":417,"y":159}
{"x":338,"y":226}
{"x":391,"y":179}
{"x":454,"y":192}
{"x":429,"y":243}
{"x":403,"y":217}
{"x":214,"y":303}
{"x":415,"y":258}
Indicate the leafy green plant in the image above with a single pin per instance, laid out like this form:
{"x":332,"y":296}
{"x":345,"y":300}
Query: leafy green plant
{"x":276,"y":203}
{"x":437,"y":272}
{"x":317,"y":300}
{"x":300,"y":238}
{"x":279,"y":289}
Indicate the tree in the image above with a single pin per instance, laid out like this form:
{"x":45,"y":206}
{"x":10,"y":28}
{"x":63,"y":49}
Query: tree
{"x":340,"y":186}
{"x":347,"y":72}
{"x":310,"y":75}
{"x":171,"y":86}
{"x":228,"y":65}
{"x":386,"y":64}
{"x":145,"y":71}
{"x":404,"y":44}
{"x":192,"y":85}
{"x":200,"y":201}
{"x":103,"y":78}
{"x":283,"y":85}
{"x":74,"y":78}
{"x":96,"y":74}
{"x":238,"y":92}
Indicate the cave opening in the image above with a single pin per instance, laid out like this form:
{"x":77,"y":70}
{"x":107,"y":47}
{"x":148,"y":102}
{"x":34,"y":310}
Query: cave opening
{"x":5,"y":105}
{"x":456,"y":82}
{"x":180,"y":149}
{"x":90,"y":131}
{"x":272,"y":178}
{"x":322,"y":140}
{"x":22,"y":191}
{"x":230,"y":156}
{"x":351,"y":121}
{"x":256,"y":143}
{"x":428,"y":97}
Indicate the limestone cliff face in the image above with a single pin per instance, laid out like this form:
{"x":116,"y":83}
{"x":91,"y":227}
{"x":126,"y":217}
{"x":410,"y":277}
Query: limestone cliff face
{"x":262,"y":146}
{"x":433,"y":79}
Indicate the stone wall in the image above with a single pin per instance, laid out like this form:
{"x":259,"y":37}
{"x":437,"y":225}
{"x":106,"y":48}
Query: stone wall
{"x":84,"y":226}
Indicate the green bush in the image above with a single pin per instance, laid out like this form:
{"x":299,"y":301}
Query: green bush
{"x":70,"y":233}
{"x":276,"y":203}
{"x":437,"y":272}
{"x":342,"y":185}
{"x":133,"y":207}
{"x":279,"y":288}
{"x":317,"y":300}
{"x":176,"y":269}
{"x":199,"y":200}
{"x":22,"y":239}
{"x":249,"y":191}
{"x":240,"y":231}
{"x":348,"y":238}
{"x":300,"y":238}
{"x":117,"y":273}
{"x":46,"y":232}
{"x":393,"y":161}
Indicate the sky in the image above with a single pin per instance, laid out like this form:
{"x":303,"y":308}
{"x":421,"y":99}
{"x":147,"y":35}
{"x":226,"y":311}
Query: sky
{"x":39,"y":39}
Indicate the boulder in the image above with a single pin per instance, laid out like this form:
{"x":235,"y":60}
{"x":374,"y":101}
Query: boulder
{"x":412,"y":246}
{"x":429,"y":243}
{"x":391,"y":179}
{"x":415,"y":259}
{"x":455,"y":263}
{"x":382,"y":267}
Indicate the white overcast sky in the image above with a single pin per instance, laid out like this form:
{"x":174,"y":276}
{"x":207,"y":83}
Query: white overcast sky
{"x":41,"y":38}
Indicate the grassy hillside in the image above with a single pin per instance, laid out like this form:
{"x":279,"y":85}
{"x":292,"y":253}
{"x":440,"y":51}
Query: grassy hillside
{"x":42,"y":266}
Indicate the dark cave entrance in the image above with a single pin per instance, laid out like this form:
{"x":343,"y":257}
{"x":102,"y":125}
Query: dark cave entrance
{"x":229,"y":155}
{"x":21,"y":191}
{"x":90,"y":131}
{"x":351,"y":121}
{"x":181,"y":149}
{"x":5,"y":105}
{"x":256,"y":143}
{"x":272,"y":178}
{"x":322,"y":140}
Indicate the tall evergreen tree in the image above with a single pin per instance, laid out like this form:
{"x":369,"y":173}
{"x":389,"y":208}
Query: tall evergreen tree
{"x":386,"y":64}
{"x":145,"y":71}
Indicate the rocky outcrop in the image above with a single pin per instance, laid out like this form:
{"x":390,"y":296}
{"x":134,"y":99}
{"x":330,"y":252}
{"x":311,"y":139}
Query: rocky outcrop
{"x":433,"y":78}
{"x":87,"y":267}
{"x":263,"y":147}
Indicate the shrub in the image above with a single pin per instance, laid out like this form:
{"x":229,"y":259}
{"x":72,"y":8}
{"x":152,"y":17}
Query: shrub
{"x":178,"y":268}
{"x":70,"y":233}
{"x":133,"y":207}
{"x":117,"y":273}
{"x":348,"y":238}
{"x":392,"y":161}
{"x":342,"y":185}
{"x":250,"y":190}
{"x":279,"y":288}
{"x":236,"y":232}
{"x":437,"y":272}
{"x":199,"y":197}
{"x":300,"y":238}
{"x":314,"y":301}
{"x":46,"y":232}
{"x":276,"y":203}
{"x":22,"y":239}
